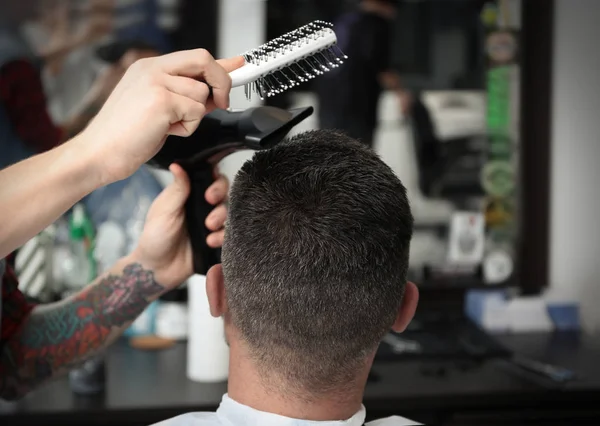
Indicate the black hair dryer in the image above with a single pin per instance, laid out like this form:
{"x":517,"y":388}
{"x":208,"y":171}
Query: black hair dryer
{"x":219,"y":134}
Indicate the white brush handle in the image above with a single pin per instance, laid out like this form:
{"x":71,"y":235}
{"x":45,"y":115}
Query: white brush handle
{"x":250,"y":72}
{"x":244,"y":75}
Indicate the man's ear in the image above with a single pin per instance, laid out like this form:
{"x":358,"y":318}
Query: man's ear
{"x":215,"y":290}
{"x":407,"y":308}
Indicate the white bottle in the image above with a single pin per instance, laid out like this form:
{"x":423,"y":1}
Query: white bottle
{"x":110,"y":245}
{"x":208,"y":352}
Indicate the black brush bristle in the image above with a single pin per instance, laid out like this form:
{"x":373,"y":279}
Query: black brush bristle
{"x":300,"y":71}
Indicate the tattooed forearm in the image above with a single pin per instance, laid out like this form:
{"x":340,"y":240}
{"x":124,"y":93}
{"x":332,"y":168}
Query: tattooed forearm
{"x":61,"y":335}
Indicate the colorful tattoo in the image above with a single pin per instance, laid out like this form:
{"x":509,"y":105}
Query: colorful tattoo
{"x":61,"y":335}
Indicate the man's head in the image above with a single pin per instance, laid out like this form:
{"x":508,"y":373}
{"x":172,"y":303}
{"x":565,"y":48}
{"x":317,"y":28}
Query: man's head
{"x":314,"y":260}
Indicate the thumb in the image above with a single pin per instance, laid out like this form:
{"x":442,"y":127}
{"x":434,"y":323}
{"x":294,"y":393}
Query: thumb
{"x":232,"y":64}
{"x":174,"y":196}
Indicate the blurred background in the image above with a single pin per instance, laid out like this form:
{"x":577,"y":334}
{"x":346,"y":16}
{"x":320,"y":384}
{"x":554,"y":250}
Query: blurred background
{"x":486,"y":110}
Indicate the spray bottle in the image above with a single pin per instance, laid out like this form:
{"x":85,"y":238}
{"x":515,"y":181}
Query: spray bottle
{"x":79,"y":272}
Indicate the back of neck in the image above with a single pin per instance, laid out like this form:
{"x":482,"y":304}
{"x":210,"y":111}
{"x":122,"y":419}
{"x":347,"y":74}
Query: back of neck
{"x":249,"y":387}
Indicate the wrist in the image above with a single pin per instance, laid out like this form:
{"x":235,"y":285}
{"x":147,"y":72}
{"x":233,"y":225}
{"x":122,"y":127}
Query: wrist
{"x":102,"y":167}
{"x":131,"y":272}
{"x":82,"y":165}
{"x":161,"y":277}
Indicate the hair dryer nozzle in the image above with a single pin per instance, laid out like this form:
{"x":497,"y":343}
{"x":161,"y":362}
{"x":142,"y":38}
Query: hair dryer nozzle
{"x":271,"y":125}
{"x":222,"y":132}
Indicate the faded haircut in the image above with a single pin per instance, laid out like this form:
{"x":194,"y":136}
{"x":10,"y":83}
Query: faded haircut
{"x":315,"y":257}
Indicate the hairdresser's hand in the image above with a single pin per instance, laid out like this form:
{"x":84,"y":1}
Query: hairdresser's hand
{"x":216,"y":195}
{"x":156,"y":97}
{"x":164,"y":246}
{"x":108,"y":79}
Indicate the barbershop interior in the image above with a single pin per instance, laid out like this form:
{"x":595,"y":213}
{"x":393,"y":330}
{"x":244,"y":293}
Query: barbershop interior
{"x":438,"y":260}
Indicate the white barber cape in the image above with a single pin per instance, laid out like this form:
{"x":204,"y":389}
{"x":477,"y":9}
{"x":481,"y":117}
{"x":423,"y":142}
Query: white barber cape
{"x":231,"y":413}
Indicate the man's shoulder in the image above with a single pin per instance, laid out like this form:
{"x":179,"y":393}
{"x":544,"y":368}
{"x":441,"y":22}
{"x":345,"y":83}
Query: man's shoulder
{"x":192,"y":419}
{"x":393,"y":421}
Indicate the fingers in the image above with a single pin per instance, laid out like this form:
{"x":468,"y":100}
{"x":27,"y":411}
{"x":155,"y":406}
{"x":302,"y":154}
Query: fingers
{"x":215,"y":240}
{"x":217,"y":192}
{"x":232,"y":64}
{"x":216,"y":222}
{"x":180,"y":187}
{"x":188,"y":87}
{"x":174,"y":196}
{"x":216,"y":219}
{"x":200,"y":64}
{"x":186,"y":115}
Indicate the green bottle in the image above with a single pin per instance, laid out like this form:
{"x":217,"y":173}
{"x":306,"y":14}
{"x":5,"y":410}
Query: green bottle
{"x":81,"y":268}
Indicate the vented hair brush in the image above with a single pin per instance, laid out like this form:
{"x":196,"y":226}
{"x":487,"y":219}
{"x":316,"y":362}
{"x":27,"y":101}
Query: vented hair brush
{"x":289,"y":60}
{"x":270,"y":69}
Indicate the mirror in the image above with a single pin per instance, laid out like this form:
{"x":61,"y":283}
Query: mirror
{"x":432,"y":87}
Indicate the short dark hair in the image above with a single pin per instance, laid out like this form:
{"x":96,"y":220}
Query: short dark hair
{"x":315,"y":256}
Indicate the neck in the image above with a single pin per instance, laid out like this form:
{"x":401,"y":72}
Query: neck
{"x":248,"y":386}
